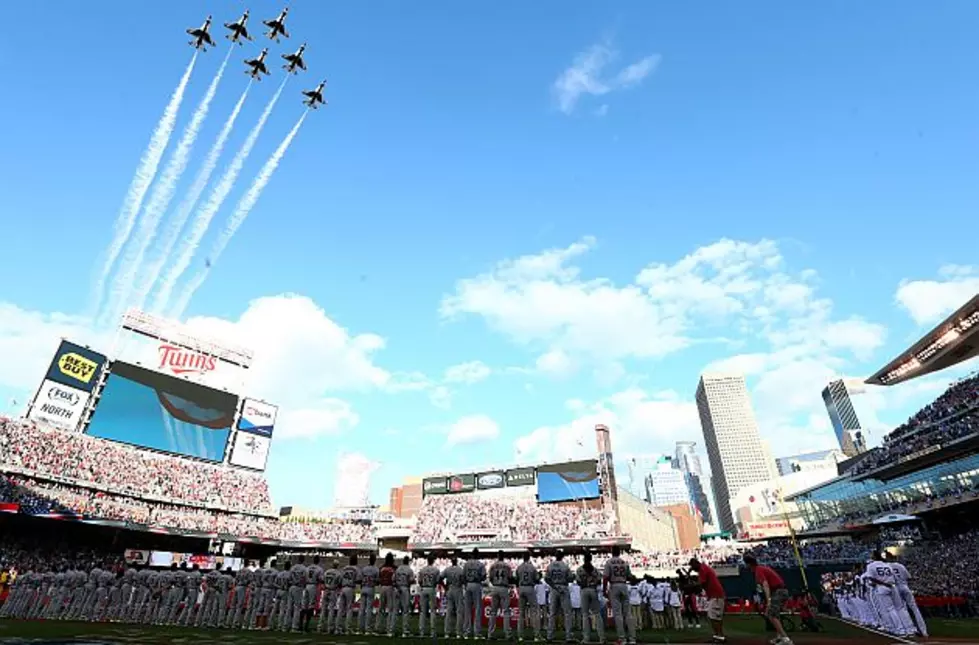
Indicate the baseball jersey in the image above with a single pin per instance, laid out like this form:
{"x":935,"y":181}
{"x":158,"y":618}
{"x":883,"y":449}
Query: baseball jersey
{"x":368,"y":576}
{"x":314,"y":574}
{"x":404,"y":576}
{"x":350,"y":576}
{"x":558,"y":574}
{"x":881,"y":571}
{"x":901,"y":574}
{"x":589,"y":579}
{"x":617,"y":571}
{"x":331,"y":578}
{"x":298,"y":577}
{"x":453,"y":576}
{"x":474,"y":571}
{"x":428,"y":577}
{"x":386,"y":576}
{"x":500,"y":574}
{"x":526,"y":574}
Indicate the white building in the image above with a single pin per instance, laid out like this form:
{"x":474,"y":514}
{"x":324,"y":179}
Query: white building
{"x":734,"y":447}
{"x":666,"y":485}
{"x":823,"y":461}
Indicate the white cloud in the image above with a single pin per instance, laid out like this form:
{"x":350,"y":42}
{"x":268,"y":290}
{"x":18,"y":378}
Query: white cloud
{"x":325,"y":417}
{"x":468,"y":373}
{"x":602,"y":110}
{"x":472,"y":429}
{"x":555,"y":363}
{"x":586,"y":76}
{"x":441,"y":397}
{"x":928,"y":301}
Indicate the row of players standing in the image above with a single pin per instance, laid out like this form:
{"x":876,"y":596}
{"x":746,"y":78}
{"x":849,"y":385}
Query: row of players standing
{"x":881,"y":597}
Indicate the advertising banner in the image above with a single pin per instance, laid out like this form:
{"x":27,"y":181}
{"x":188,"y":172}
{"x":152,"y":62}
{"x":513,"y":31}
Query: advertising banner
{"x":76,"y":366}
{"x":177,"y":361}
{"x":520,"y":477}
{"x":462,"y":483}
{"x":257,"y":417}
{"x":490,"y":480}
{"x":59,"y":405}
{"x":572,"y":481}
{"x":136,"y":556}
{"x":434,"y":486}
{"x":250,"y":450}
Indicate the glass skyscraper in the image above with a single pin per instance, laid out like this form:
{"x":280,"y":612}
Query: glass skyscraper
{"x":844,"y":418}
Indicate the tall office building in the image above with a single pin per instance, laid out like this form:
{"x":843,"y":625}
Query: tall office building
{"x":844,"y":418}
{"x":734,"y":448}
{"x":687,"y":461}
{"x":666,"y":485}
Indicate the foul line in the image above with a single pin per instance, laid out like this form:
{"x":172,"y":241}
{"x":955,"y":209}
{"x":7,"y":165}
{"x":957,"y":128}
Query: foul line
{"x":898,"y":639}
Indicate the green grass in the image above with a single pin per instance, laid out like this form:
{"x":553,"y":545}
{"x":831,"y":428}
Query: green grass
{"x":953,"y":628}
{"x":742,"y":630}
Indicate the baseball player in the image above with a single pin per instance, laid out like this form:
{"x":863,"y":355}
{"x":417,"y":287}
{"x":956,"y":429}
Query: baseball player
{"x":368,"y":583}
{"x":500,"y":576}
{"x":453,"y":579}
{"x":558,"y":576}
{"x":386,"y":606}
{"x":590,"y":580}
{"x":617,"y":575}
{"x":314,"y":576}
{"x":474,"y":572}
{"x":404,"y":577}
{"x":428,"y":580}
{"x":527,"y":577}
{"x":193,"y":586}
{"x":349,"y":579}
{"x":330,"y":599}
{"x":907,"y":604}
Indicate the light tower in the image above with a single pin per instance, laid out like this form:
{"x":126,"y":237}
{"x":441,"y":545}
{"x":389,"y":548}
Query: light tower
{"x":606,"y":474}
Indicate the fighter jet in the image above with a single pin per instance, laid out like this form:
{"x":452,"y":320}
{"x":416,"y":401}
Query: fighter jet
{"x":277,"y":27}
{"x":201,"y":36}
{"x":258,"y":66}
{"x":238,"y":29}
{"x":315,"y":96}
{"x":295,"y":60}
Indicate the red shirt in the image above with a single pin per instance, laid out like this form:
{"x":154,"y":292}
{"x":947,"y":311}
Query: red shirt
{"x":710,"y":582}
{"x":767,"y":574}
{"x":386,"y":577}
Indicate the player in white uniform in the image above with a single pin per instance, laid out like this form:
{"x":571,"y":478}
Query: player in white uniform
{"x":590,"y":580}
{"x":617,"y":575}
{"x":907,"y":604}
{"x":474,"y":572}
{"x":557,"y":576}
{"x":428,"y":580}
{"x":349,"y":579}
{"x":369,"y":575}
{"x":885,"y":596}
{"x":527,"y":577}
{"x":453,"y":580}
{"x":500,"y":577}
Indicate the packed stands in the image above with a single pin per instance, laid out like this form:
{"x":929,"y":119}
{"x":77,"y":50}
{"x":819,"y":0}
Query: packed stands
{"x":951,"y":416}
{"x":448,"y":518}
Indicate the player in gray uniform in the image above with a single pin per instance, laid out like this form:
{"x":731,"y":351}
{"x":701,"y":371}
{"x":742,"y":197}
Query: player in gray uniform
{"x":453,"y":580}
{"x":209,"y":605}
{"x":314,"y":576}
{"x":282,"y":580}
{"x":527,"y":577}
{"x":404,"y":577}
{"x":474,"y":573}
{"x":166,"y":583}
{"x":125,"y":594}
{"x":428,"y":580}
{"x":590,"y":580}
{"x":193,"y":585}
{"x":328,"y":603}
{"x":558,"y":575}
{"x":258,"y":599}
{"x":617,"y":574}
{"x":243,"y":580}
{"x":368,"y":583}
{"x":500,"y":577}
{"x":297,"y":584}
{"x":349,"y":579}
{"x":178,"y":591}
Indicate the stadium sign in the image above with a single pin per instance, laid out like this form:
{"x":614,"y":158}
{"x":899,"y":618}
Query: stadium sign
{"x":462,"y":483}
{"x":435,"y":486}
{"x":250,"y":451}
{"x":257,"y":417}
{"x":520,"y":477}
{"x":490,"y":480}
{"x":75,"y":366}
{"x":180,"y":360}
{"x":58,"y":405}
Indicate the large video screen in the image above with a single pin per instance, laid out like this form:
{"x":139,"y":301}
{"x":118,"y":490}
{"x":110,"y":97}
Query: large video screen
{"x":152,"y":410}
{"x":567,"y":482}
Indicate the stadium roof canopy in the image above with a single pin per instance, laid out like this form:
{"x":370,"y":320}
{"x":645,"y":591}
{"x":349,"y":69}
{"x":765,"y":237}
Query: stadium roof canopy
{"x":954,"y":340}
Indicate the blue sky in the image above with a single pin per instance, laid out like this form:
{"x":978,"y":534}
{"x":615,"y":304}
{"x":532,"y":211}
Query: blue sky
{"x":780,"y":188}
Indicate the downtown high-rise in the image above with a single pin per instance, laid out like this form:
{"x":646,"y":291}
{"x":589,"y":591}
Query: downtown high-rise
{"x":846,"y":425}
{"x":687,"y":461}
{"x":734,"y":447}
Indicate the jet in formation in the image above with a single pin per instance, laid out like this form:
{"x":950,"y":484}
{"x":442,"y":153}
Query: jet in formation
{"x":277,"y":27}
{"x":295,"y":61}
{"x":315,"y":97}
{"x":238,"y":29}
{"x":257,"y":66}
{"x":201,"y":35}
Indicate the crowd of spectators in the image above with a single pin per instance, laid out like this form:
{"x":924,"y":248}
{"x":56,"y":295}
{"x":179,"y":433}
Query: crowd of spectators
{"x":945,"y":567}
{"x":75,"y":458}
{"x":953,"y":415}
{"x":451,"y":518}
{"x":39,"y":497}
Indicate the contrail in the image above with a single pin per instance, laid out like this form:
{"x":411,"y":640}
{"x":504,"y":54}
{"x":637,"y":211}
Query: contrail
{"x":145,"y":172}
{"x":220,"y":192}
{"x":241,"y":212}
{"x":185,"y":251}
{"x":157,"y":205}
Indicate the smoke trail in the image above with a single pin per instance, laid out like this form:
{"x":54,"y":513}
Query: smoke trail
{"x":140,"y":183}
{"x":185,"y":251}
{"x":158,"y":203}
{"x":220,"y":192}
{"x":241,"y":212}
